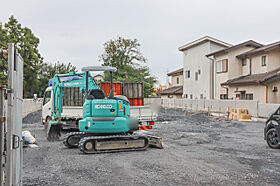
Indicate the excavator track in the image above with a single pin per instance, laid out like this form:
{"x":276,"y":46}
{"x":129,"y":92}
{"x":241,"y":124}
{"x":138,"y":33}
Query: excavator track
{"x":72,"y":139}
{"x":106,"y":144}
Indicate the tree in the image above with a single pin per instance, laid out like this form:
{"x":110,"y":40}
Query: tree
{"x":47,"y":71}
{"x":27,"y":45}
{"x":125,"y":55}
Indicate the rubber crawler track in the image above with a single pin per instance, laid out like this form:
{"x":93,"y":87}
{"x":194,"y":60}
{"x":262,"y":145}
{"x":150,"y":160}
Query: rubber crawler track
{"x":71,"y":134}
{"x":112,"y":138}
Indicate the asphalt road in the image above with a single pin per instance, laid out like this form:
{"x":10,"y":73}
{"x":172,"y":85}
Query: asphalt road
{"x":197,"y":152}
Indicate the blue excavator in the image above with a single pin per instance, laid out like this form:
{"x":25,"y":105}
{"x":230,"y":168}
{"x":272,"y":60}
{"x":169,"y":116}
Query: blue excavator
{"x":106,"y":125}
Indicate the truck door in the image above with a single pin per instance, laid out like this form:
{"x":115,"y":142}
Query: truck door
{"x":47,"y":105}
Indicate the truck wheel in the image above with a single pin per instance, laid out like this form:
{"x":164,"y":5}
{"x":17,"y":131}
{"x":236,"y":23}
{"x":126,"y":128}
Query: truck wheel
{"x":272,"y":138}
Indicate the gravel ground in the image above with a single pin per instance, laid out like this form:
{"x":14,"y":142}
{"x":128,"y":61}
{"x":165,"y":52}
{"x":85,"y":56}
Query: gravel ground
{"x":197,"y":152}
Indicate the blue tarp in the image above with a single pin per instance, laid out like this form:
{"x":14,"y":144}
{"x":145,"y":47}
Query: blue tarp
{"x":64,"y":79}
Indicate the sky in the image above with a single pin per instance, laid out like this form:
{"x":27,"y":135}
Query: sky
{"x":75,"y":30}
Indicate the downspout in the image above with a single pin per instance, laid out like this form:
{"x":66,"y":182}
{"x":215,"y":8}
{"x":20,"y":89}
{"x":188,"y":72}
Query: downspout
{"x":266,"y":97}
{"x":266,"y":92}
{"x":212,"y":78}
{"x":250,"y":70}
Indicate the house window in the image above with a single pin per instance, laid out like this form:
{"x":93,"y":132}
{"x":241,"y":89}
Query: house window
{"x":263,"y":60}
{"x":188,"y":74}
{"x":177,"y":80}
{"x":238,"y":96}
{"x":196,"y":76}
{"x":186,"y":95}
{"x":249,"y":96}
{"x":222,"y":66}
{"x":199,"y":71}
{"x":223,"y":96}
{"x":201,"y":96}
{"x":244,"y":62}
{"x":191,"y":96}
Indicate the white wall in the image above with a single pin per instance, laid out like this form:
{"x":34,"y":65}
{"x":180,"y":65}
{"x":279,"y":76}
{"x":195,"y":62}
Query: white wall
{"x":255,"y":108}
{"x":29,"y":106}
{"x":194,"y":59}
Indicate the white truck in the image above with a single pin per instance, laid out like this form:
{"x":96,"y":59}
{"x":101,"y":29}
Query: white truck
{"x":73,"y":109}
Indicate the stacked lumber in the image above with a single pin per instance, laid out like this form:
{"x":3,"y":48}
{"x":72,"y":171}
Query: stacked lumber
{"x":239,"y":114}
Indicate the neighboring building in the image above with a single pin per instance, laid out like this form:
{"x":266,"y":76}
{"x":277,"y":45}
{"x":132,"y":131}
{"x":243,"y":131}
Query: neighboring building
{"x":228,"y":66}
{"x":98,"y":78}
{"x":253,"y":74}
{"x":177,"y":78}
{"x":177,"y":81}
{"x":198,"y":77}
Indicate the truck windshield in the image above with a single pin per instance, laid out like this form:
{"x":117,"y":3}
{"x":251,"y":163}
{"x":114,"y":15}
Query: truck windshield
{"x":47,"y":97}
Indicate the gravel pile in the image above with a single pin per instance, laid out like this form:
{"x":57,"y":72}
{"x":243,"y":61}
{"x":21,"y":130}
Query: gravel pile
{"x":33,"y":117}
{"x":198,"y":118}
{"x":171,"y":114}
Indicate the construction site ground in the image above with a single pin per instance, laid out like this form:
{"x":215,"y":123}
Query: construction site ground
{"x":197,"y":151}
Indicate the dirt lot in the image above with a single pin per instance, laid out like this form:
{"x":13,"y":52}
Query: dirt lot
{"x":197,"y":152}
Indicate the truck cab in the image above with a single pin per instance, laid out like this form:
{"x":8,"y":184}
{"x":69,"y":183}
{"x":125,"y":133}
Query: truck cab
{"x":47,"y":105}
{"x":272,"y":130}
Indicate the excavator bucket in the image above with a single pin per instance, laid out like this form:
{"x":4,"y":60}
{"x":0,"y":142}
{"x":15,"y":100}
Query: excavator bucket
{"x":155,"y":141}
{"x":53,"y":131}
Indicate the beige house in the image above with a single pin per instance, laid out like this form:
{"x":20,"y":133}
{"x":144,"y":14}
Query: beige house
{"x":248,"y":71}
{"x":198,"y":77}
{"x":177,"y":81}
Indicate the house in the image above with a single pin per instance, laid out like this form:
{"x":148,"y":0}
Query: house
{"x":177,"y":81}
{"x":198,"y":76}
{"x":228,"y":66}
{"x":253,"y":74}
{"x":98,"y":78}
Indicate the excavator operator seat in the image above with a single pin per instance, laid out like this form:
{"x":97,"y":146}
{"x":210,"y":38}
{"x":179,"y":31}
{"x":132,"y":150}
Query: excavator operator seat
{"x":97,"y":93}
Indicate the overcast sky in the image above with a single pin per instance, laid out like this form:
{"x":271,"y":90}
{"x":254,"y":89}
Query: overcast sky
{"x":75,"y":30}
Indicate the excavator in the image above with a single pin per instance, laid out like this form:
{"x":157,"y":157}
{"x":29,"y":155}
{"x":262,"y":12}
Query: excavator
{"x":106,"y":125}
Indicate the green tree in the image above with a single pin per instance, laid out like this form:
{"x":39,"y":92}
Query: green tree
{"x":125,"y":55}
{"x":47,"y":71}
{"x":27,"y":45}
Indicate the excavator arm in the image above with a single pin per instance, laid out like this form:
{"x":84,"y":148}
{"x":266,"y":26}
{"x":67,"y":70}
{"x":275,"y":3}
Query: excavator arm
{"x":71,"y":79}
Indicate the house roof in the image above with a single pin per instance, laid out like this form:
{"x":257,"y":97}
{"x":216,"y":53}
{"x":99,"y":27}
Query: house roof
{"x":176,"y":72}
{"x":250,"y":43}
{"x":254,"y":78}
{"x":98,"y":75}
{"x":260,"y":50}
{"x":202,"y":40}
{"x":176,"y":90}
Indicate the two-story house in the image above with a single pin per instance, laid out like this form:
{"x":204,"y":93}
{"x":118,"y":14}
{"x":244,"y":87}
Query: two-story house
{"x":198,"y":76}
{"x":177,"y":81}
{"x":228,"y":66}
{"x":252,"y":74}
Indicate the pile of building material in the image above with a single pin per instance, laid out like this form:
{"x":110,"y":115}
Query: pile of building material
{"x":239,"y":114}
